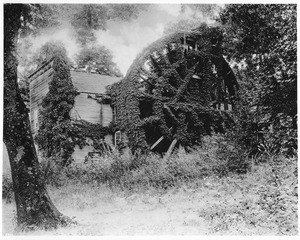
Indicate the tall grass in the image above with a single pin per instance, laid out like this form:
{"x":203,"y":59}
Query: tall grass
{"x":136,"y":171}
{"x":217,"y":156}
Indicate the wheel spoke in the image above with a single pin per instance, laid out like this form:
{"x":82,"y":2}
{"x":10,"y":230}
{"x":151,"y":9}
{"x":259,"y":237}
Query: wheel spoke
{"x":149,"y":120}
{"x":157,"y":142}
{"x":186,"y":81}
{"x":171,"y":148}
{"x":171,"y":115}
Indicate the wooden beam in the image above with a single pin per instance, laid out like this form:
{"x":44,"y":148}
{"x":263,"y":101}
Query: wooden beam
{"x":157,"y":142}
{"x":185,"y":83}
{"x":40,"y":68}
{"x":171,"y":114}
{"x":170,"y":150}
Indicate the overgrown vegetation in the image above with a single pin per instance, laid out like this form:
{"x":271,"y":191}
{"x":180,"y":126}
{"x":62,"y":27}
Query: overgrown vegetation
{"x":99,"y":59}
{"x":216,"y":157}
{"x":265,"y":52}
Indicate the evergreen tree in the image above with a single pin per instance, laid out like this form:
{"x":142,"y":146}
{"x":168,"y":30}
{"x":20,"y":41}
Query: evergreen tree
{"x":55,"y":133}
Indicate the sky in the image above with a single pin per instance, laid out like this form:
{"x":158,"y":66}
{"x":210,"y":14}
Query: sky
{"x":124,"y":39}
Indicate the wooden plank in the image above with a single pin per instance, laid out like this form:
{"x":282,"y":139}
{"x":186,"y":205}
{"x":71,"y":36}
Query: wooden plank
{"x":107,"y":115}
{"x":87,"y":108}
{"x":40,"y":69}
{"x":157,"y":142}
{"x":170,"y":150}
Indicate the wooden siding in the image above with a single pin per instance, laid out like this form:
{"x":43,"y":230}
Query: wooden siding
{"x":86,"y":109}
{"x":39,"y":87}
{"x":106,"y":114}
{"x":91,"y":82}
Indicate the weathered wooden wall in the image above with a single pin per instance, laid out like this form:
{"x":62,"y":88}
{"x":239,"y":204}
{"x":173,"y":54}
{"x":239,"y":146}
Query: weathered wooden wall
{"x":85,"y":108}
{"x":106,"y":115}
{"x":38,"y":87}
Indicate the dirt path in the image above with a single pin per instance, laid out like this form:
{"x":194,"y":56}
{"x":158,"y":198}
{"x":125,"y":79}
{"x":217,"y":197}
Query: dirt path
{"x":133,"y":215}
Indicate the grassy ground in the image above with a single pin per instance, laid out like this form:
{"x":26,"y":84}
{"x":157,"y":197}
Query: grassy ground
{"x":261,"y":202}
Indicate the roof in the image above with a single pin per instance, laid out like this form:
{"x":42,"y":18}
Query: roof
{"x":83,"y":81}
{"x":40,"y":70}
{"x":92,"y":82}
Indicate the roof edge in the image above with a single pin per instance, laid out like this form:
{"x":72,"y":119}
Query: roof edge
{"x":40,"y":68}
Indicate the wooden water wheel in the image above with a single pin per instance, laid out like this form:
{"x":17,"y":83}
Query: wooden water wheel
{"x":177,"y":90}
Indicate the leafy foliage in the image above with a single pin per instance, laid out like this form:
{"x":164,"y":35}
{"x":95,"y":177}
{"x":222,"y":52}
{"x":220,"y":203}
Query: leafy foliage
{"x":48,"y":50}
{"x":263,"y":39}
{"x":91,"y":17}
{"x":98,"y":58}
{"x":198,"y":13}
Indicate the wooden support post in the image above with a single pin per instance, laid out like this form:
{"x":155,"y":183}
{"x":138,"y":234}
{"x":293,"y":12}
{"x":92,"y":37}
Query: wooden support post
{"x":157,"y":142}
{"x":170,"y":150}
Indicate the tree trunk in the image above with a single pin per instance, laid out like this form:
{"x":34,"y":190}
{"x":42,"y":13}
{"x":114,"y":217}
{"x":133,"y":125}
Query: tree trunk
{"x":34,"y":207}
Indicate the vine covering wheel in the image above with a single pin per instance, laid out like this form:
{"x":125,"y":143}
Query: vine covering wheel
{"x":177,"y":90}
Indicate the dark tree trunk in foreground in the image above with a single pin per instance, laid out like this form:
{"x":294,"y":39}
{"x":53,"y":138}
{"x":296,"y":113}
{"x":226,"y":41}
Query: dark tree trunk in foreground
{"x":34,"y":207}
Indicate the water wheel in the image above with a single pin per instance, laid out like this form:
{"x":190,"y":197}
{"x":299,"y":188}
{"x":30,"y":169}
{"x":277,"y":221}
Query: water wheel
{"x":177,"y":90}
